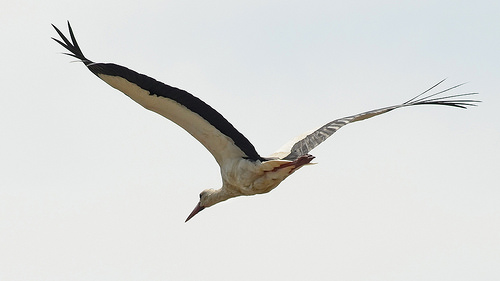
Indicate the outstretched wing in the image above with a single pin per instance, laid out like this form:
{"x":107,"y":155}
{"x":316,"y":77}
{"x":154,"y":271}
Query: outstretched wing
{"x":304,"y":143}
{"x":199,"y":119}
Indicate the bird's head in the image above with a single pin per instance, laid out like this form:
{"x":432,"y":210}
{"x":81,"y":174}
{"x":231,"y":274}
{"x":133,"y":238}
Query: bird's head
{"x":210,"y":197}
{"x":207,"y":199}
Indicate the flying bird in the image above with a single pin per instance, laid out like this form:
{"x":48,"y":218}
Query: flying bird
{"x":244,"y":171}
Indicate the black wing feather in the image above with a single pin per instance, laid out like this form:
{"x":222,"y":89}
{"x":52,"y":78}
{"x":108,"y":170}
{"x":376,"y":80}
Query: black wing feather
{"x":310,"y":141}
{"x":158,"y":88}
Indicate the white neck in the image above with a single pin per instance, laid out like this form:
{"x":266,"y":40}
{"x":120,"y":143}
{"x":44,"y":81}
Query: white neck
{"x":218,"y":195}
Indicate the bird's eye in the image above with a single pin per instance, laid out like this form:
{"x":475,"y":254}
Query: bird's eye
{"x":201,"y":195}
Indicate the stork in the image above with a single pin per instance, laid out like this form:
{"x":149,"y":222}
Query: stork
{"x":243,"y":170}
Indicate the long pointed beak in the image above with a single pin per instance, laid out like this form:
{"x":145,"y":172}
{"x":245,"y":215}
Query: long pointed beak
{"x":195,"y":211}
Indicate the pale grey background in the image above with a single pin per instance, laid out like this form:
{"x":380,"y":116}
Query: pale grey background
{"x":94,"y":187}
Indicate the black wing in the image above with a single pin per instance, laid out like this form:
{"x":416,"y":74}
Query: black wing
{"x":198,"y":118}
{"x":303,"y":144}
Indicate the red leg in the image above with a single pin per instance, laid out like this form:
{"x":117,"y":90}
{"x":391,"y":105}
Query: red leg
{"x":299,"y":162}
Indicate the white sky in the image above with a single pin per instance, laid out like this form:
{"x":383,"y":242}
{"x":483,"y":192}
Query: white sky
{"x":94,"y":187}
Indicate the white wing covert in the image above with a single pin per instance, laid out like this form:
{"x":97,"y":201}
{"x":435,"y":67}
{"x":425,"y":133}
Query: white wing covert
{"x":199,"y":119}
